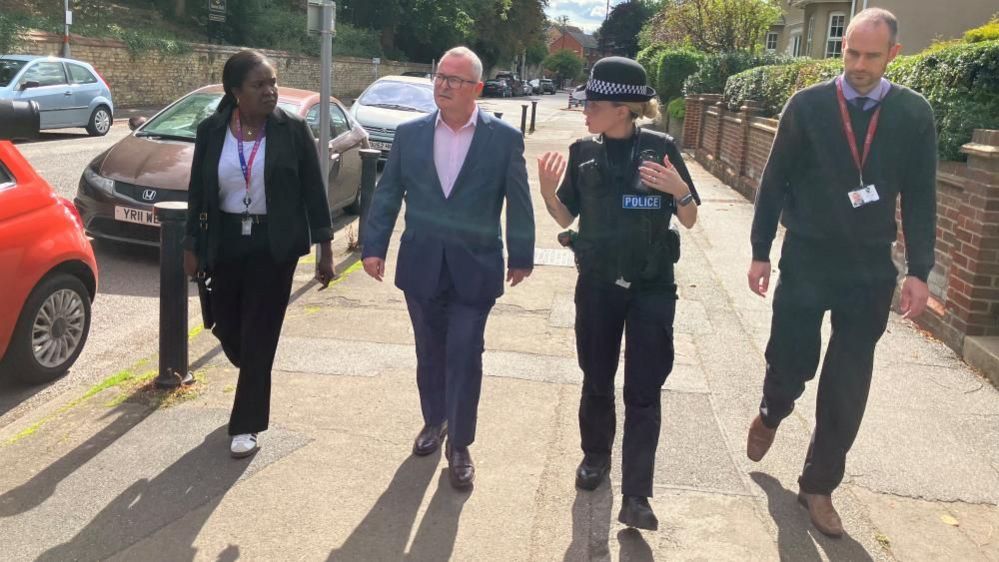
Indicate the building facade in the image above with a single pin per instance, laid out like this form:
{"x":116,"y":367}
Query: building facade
{"x":815,"y":28}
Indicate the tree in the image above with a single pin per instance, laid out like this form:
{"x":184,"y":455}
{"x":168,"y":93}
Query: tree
{"x":713,"y":26}
{"x":619,"y":33}
{"x":565,"y":64}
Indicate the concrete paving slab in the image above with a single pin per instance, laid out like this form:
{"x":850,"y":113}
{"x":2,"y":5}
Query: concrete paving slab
{"x":171,"y":463}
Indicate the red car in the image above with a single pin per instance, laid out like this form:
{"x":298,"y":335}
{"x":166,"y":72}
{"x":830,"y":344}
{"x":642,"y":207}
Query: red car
{"x":48,"y":274}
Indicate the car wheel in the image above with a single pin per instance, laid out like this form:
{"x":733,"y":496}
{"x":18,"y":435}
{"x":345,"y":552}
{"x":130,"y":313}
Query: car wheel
{"x":51,"y":331}
{"x":100,"y":122}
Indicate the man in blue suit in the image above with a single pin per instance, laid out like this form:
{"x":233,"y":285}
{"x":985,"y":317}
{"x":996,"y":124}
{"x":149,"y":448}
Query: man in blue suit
{"x":454,"y":168}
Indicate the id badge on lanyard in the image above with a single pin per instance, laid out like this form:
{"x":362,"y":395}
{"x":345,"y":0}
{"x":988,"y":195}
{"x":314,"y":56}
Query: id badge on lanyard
{"x":247,"y":167}
{"x":864,"y":193}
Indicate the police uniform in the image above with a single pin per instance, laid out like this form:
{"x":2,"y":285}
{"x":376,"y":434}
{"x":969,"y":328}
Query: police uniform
{"x":625,"y":251}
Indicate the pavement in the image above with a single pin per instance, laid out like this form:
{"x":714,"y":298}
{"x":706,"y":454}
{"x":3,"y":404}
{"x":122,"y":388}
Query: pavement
{"x":120,"y":471}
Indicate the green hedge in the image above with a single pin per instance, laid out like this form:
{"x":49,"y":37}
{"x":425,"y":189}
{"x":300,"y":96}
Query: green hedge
{"x":675,"y":65}
{"x":961,"y":82}
{"x":715,"y":70}
{"x":649,"y":59}
{"x":771,"y":86}
{"x":677,"y":108}
{"x":987,"y":32}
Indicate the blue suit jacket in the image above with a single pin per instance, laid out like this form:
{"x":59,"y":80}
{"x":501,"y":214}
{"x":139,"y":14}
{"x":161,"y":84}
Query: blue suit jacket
{"x":463,"y":229}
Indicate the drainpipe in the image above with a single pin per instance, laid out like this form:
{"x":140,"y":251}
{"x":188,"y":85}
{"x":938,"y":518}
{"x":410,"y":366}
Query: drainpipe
{"x":865,"y":4}
{"x":853,"y":9}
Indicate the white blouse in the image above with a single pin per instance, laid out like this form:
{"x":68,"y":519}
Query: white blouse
{"x":232,"y":186}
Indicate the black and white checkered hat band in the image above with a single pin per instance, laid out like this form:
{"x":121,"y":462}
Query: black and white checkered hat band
{"x":614,"y":89}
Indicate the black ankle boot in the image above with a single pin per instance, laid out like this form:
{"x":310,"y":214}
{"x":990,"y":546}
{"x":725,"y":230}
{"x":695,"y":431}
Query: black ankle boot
{"x":591,"y":473}
{"x":636,"y":512}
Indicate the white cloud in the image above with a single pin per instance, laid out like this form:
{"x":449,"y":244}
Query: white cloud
{"x":586,"y":14}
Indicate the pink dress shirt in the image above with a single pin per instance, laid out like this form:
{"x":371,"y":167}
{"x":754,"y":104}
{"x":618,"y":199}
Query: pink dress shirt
{"x":451,"y":148}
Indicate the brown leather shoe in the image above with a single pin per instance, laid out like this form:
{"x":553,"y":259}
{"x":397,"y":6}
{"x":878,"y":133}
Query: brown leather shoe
{"x":759,"y":440}
{"x":429,"y":439}
{"x":822,"y":514}
{"x":460,"y":469}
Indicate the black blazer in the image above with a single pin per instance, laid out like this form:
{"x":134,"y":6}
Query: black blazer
{"x":298,"y":213}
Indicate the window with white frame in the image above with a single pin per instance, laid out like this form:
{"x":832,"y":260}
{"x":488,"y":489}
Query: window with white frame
{"x":809,"y":35}
{"x":794,"y":45}
{"x":834,"y":42}
{"x":772,"y":41}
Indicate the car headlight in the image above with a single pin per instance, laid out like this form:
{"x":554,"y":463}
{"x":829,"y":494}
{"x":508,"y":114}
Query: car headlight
{"x":98,"y":181}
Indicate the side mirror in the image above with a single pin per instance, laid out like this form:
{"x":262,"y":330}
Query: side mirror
{"x":136,"y":122}
{"x":29,"y":84}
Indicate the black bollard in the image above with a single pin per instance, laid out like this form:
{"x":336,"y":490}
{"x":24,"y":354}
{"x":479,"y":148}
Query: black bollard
{"x":173,"y":296}
{"x":523,"y":119}
{"x":369,"y":172}
{"x":534,"y":112}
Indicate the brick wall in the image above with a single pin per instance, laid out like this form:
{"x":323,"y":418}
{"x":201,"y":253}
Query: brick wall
{"x":964,"y":284}
{"x":154,"y":79}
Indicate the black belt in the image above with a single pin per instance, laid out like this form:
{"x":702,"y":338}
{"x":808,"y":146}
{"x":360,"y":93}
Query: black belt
{"x":238,"y":218}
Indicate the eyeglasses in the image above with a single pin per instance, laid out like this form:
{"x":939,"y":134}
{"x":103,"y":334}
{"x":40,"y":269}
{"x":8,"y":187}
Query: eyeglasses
{"x":452,"y":81}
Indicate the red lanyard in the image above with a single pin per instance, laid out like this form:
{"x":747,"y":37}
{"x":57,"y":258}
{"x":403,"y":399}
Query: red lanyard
{"x":851,"y":138}
{"x":247,"y":166}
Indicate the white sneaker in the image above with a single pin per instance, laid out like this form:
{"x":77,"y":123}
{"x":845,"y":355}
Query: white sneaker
{"x":243,"y":445}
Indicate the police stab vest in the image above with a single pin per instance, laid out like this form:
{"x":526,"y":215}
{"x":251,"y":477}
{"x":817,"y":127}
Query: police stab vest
{"x":633,"y":240}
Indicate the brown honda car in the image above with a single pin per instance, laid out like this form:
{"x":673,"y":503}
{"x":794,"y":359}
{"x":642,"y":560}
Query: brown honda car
{"x":118,"y":189}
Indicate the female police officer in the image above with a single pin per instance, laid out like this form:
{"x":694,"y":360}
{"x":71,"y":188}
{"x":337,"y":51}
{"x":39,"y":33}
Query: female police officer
{"x":625,"y":252}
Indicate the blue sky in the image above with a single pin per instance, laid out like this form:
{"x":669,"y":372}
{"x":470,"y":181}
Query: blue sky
{"x":586,"y":14}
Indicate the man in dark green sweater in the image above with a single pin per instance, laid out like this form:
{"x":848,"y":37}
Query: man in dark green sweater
{"x":845,"y":152}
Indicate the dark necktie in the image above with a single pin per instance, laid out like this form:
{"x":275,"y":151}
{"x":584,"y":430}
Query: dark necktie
{"x":860,"y":102}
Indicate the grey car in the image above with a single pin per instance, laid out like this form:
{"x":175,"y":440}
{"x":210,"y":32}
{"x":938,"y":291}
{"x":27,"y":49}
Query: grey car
{"x":389,"y":101}
{"x":69,"y":93}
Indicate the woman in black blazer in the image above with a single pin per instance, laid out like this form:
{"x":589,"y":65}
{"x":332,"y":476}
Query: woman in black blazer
{"x":256,"y":203}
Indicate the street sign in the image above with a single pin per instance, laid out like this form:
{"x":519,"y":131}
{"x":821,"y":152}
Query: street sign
{"x":316,"y":14}
{"x":217,"y":10}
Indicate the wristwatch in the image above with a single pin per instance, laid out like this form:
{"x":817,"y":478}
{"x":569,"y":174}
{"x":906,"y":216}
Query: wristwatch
{"x":686,"y":199}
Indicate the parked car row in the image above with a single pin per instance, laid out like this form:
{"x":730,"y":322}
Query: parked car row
{"x":45,"y":314}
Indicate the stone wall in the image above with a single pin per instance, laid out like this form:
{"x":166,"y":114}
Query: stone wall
{"x":964,"y":283}
{"x":154,"y":79}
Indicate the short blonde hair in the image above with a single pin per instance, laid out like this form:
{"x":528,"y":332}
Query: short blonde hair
{"x":649,"y":109}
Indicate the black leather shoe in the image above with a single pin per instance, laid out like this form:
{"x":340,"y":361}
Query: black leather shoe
{"x":636,"y":512}
{"x":591,"y":473}
{"x":429,"y":439}
{"x":460,"y":468}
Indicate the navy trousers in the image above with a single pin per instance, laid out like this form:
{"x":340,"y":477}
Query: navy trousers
{"x":605,"y":312}
{"x":449,"y":344}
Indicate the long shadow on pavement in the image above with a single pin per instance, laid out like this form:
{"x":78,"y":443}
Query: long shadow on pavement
{"x":591,"y":520}
{"x":385,"y":530}
{"x":40,"y":487}
{"x":438,"y":530}
{"x":193,"y":486}
{"x":796,"y":538}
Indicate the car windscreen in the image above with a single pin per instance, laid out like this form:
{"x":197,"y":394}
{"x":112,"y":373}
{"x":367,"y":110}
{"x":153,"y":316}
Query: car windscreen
{"x":400,"y":95}
{"x":9,"y":69}
{"x":182,"y":119}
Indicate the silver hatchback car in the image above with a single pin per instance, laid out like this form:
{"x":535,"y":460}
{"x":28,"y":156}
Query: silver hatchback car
{"x":69,"y":93}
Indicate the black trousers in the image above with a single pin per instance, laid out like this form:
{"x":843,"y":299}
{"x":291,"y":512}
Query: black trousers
{"x":859,"y":318}
{"x":250,"y":295}
{"x":450,"y":340}
{"x":603,"y":311}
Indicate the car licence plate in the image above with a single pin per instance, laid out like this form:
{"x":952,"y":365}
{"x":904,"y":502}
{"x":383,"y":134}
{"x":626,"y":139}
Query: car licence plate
{"x":137,"y":216}
{"x":381,"y":145}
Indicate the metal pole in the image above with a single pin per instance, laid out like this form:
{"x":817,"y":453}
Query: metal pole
{"x":173,"y":296}
{"x":369,"y":171}
{"x":523,"y":119}
{"x":326,"y":62}
{"x":65,"y":38}
{"x":534,"y":112}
